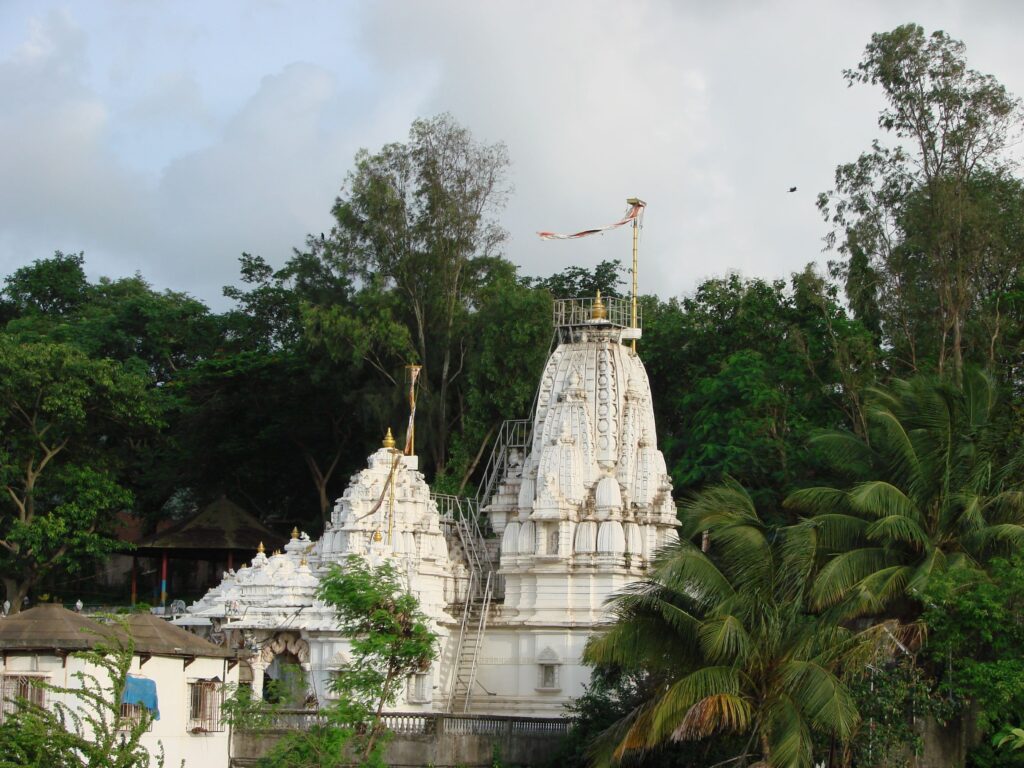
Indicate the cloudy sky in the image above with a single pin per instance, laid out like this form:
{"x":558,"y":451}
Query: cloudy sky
{"x":168,"y":137}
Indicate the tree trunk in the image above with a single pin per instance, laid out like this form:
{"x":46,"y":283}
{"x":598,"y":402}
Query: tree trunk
{"x":16,"y":591}
{"x":375,"y":728}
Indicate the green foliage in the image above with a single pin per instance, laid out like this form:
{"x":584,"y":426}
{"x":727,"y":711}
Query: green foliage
{"x":976,"y":639}
{"x":729,"y":648}
{"x":416,"y":228}
{"x":935,"y":217}
{"x":86,"y":728}
{"x":389,"y":640}
{"x":576,"y":281}
{"x":743,"y":372}
{"x":893,"y":699}
{"x":933,"y":486}
{"x":64,"y":420}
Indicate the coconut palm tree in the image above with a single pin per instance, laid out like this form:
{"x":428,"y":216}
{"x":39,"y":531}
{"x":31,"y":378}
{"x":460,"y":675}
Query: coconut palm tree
{"x":726,"y":644}
{"x":934,"y":485}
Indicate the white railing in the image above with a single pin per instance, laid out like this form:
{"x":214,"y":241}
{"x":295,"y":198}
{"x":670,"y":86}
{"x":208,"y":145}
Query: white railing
{"x":571,"y":313}
{"x":431,"y":722}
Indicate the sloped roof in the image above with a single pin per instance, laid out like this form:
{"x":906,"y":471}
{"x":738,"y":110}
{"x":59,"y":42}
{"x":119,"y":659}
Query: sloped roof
{"x":158,"y":637}
{"x":53,"y":627}
{"x":219,"y":525}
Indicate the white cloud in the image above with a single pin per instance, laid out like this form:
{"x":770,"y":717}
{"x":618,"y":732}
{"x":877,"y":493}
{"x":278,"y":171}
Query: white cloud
{"x":170,"y":142}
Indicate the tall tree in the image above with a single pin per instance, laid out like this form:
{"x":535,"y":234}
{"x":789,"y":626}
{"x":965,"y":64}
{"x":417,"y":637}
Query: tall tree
{"x":64,"y":418}
{"x":914,"y":220}
{"x":419,"y":218}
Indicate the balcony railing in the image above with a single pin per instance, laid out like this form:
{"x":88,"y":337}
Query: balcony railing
{"x":433,"y":722}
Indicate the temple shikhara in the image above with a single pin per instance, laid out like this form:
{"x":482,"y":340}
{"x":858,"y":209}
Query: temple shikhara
{"x":574,"y":502}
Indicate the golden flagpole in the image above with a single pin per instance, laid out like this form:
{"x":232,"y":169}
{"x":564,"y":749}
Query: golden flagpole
{"x":636,"y":240}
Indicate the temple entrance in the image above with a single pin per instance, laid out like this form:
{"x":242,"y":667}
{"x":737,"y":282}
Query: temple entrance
{"x":284,"y":681}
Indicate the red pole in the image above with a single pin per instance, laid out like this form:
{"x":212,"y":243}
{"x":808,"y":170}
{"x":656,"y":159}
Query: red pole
{"x":135,"y":580}
{"x":163,"y":581}
{"x":231,"y":559}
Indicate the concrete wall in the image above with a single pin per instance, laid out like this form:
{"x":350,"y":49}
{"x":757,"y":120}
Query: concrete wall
{"x":172,"y":677}
{"x":442,"y":750}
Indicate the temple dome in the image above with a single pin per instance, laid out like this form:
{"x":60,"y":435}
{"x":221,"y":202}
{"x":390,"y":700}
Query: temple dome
{"x":586,"y":537}
{"x":510,"y":538}
{"x":608,"y":495}
{"x":610,"y":538}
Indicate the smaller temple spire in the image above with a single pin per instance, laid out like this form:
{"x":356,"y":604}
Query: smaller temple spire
{"x":389,"y":440}
{"x":260,"y":548}
{"x":599,"y":311}
{"x":295,"y":532}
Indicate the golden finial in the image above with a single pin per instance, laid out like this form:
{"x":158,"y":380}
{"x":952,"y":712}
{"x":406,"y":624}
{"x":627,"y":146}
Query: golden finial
{"x":377,"y":536}
{"x":389,"y":440}
{"x":600,"y":311}
{"x":260,"y":548}
{"x":295,"y":532}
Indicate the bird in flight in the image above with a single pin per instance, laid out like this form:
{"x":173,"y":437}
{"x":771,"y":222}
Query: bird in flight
{"x":792,"y":189}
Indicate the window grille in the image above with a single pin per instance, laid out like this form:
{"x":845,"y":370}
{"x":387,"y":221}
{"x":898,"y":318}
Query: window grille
{"x":204,"y":706}
{"x":14,"y":688}
{"x":131,"y":716}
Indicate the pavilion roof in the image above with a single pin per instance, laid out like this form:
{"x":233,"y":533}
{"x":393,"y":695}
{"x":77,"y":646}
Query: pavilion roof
{"x":220,"y":525}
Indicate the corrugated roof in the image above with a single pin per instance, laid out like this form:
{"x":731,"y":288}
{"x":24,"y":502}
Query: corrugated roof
{"x":155,"y":636}
{"x":53,"y":627}
{"x":50,"y":626}
{"x":221,"y":524}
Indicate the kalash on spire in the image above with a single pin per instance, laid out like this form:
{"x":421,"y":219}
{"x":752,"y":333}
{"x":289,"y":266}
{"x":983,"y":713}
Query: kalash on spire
{"x":577,"y":497}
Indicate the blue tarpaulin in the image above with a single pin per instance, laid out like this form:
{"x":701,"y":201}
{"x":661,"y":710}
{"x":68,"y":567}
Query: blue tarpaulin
{"x":141,"y":690}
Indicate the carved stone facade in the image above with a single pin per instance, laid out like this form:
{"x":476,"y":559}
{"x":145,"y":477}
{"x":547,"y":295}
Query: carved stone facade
{"x":270,"y":607}
{"x":578,"y":512}
{"x":579,"y":518}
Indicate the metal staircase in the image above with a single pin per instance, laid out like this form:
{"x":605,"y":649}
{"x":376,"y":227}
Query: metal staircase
{"x":514,"y":433}
{"x":463,"y":515}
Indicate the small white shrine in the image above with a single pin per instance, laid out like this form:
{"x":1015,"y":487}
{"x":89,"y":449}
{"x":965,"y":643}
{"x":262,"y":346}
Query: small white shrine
{"x":575,"y":501}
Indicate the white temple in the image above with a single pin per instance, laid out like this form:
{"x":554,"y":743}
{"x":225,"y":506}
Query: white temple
{"x":578,"y":499}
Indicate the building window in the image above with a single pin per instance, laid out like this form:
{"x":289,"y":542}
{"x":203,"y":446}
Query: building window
{"x":131,"y":716}
{"x":548,"y":677}
{"x":419,"y":689}
{"x":17,"y":688}
{"x":204,"y":698}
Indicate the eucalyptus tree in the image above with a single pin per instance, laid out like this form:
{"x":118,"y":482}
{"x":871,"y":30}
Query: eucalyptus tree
{"x":935,"y":484}
{"x":726,"y":645}
{"x":416,"y":227}
{"x":914,"y":220}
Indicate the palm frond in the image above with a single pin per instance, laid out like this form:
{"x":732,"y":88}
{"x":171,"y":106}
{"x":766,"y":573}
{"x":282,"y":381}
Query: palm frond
{"x":901,"y":529}
{"x":891,"y":439}
{"x":878,"y":498}
{"x":724,"y":639}
{"x":789,"y":739}
{"x":934,"y":562}
{"x":825,"y":701}
{"x":844,"y":452}
{"x":670,"y":709}
{"x":687,"y":570}
{"x":842,"y":572}
{"x":718,"y":713}
{"x":818,"y":501}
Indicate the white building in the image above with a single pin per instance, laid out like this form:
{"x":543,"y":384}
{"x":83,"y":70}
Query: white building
{"x":186,"y":674}
{"x":581,"y":499}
